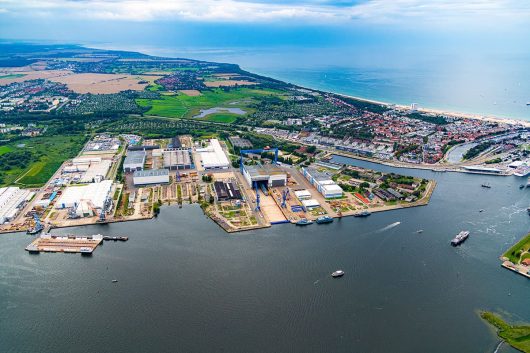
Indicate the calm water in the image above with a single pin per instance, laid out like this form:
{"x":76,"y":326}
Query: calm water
{"x":185,"y":285}
{"x":486,"y":83}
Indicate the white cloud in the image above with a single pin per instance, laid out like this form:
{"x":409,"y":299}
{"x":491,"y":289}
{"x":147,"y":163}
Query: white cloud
{"x":378,"y":11}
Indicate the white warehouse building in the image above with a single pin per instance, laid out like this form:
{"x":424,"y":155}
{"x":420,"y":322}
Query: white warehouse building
{"x":12,"y":200}
{"x":213,"y":156}
{"x":85,"y":199}
{"x":323,"y":183}
{"x":151,"y":176}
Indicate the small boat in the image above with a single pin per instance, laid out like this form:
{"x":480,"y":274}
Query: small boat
{"x":487,"y":186}
{"x":338,"y":273}
{"x":362,"y":214}
{"x":304,"y":222}
{"x":419,"y":231}
{"x":522,"y":186}
{"x":324,"y":219}
{"x":114,"y":281}
{"x":481,"y":210}
{"x":528,"y":210}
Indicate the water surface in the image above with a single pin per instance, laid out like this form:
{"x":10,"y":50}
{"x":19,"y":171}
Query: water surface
{"x":185,"y":285}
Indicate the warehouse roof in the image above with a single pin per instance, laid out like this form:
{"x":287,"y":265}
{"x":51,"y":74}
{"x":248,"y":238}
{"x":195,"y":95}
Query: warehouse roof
{"x":134,"y":157}
{"x":150,"y":172}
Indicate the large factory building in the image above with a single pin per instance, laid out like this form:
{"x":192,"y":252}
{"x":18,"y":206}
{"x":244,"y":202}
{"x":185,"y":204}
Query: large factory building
{"x":213,"y":156}
{"x":135,"y":160}
{"x":269,"y":174}
{"x":151,"y":176}
{"x":323,"y":183}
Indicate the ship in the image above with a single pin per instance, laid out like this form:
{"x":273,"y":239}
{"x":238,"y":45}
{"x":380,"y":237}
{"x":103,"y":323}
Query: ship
{"x":460,"y":238}
{"x":35,"y":230}
{"x":522,"y":171}
{"x":338,"y":273}
{"x":487,"y":186}
{"x":324,"y":219}
{"x":362,"y":214}
{"x":304,"y":222}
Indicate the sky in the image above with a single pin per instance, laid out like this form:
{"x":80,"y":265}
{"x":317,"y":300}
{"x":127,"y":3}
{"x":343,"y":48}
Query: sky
{"x":495,"y":24}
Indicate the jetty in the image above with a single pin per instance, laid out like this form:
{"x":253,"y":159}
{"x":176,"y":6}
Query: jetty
{"x":85,"y":244}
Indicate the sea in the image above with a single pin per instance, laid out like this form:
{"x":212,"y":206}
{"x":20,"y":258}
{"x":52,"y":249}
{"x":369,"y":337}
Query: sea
{"x":184,"y":285}
{"x":483,"y":83}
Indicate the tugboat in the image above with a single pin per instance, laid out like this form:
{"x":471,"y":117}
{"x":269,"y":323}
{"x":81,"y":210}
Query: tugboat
{"x":362,"y":214}
{"x":338,"y":273}
{"x":324,"y":219}
{"x":487,"y":186}
{"x":460,"y":238}
{"x":304,"y":222}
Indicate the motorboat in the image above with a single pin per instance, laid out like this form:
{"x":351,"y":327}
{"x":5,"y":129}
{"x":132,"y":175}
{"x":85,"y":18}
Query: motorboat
{"x":338,"y":273}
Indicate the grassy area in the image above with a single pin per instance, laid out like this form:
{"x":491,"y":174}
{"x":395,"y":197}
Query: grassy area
{"x":5,"y":149}
{"x":12,"y":76}
{"x":183,"y":106}
{"x":49,"y":153}
{"x":519,"y":251}
{"x":516,"y":336}
{"x":222,"y":118}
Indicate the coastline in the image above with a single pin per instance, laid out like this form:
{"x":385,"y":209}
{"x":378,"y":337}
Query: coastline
{"x":480,"y":117}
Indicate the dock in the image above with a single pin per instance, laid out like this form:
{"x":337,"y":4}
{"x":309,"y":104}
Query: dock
{"x":66,"y":244}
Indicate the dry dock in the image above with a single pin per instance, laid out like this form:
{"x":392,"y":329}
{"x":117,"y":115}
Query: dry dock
{"x":67,"y":244}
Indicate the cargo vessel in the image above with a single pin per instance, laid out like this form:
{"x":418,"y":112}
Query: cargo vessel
{"x":460,"y":238}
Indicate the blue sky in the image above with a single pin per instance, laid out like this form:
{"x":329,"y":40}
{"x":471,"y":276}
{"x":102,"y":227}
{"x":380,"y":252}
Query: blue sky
{"x":484,"y":23}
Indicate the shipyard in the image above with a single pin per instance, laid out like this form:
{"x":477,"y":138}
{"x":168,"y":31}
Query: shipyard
{"x":126,"y":178}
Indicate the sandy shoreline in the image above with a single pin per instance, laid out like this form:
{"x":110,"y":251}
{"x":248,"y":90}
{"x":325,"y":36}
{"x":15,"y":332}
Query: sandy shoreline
{"x":444,"y":112}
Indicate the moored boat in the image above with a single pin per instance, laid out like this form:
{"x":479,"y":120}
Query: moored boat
{"x":324,"y":219}
{"x":362,"y":214}
{"x":304,"y":222}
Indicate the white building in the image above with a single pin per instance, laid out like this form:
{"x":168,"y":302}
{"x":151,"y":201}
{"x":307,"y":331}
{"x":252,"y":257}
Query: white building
{"x":302,"y":194}
{"x":85,"y":199}
{"x":96,"y":172}
{"x":151,"y":176}
{"x":213,"y":156}
{"x":12,"y":200}
{"x":323,"y":183}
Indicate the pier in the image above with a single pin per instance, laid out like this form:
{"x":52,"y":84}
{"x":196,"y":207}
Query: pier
{"x":66,"y":244}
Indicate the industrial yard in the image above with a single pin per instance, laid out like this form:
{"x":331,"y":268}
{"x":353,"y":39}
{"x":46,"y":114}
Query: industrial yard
{"x":123,"y":178}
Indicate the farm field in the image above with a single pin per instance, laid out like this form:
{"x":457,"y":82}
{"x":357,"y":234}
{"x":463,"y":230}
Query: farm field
{"x":48,"y":153}
{"x":185,"y":106}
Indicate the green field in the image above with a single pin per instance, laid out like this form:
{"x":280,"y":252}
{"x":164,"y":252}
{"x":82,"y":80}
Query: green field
{"x":516,"y":336}
{"x":12,"y":76}
{"x":222,"y":118}
{"x":5,"y":149}
{"x":519,"y":251}
{"x":49,"y":153}
{"x":183,"y":106}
